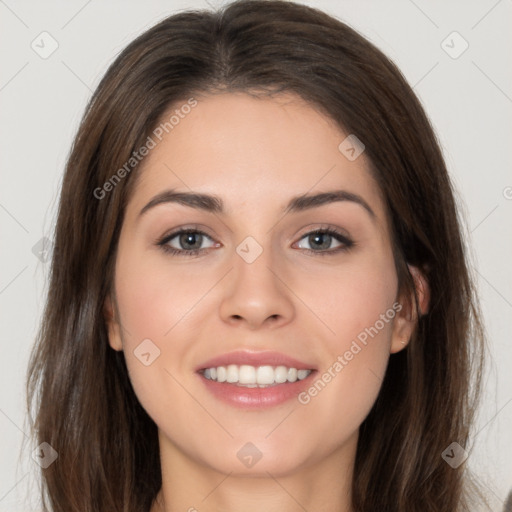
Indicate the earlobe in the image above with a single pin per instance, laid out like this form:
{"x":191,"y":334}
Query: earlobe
{"x":403,"y":327}
{"x":114,"y":331}
{"x":407,"y":317}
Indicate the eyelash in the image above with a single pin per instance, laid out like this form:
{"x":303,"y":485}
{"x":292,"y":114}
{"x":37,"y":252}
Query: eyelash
{"x":347,"y":242}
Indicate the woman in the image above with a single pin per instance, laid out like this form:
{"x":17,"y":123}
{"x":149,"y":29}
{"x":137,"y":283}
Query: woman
{"x":259,"y":295}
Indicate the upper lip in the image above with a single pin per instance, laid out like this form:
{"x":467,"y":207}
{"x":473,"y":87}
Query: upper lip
{"x":260,"y":358}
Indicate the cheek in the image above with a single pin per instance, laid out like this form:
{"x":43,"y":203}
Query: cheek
{"x":151,"y":307}
{"x":155,"y":299}
{"x":358,"y":305}
{"x":353,"y":300}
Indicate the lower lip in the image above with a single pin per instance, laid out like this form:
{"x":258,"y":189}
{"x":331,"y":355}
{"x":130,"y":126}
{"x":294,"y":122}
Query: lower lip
{"x":256,"y":398}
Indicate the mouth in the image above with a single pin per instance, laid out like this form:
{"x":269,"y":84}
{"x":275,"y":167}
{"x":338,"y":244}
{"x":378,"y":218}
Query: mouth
{"x":251,"y":376}
{"x":255,"y":380}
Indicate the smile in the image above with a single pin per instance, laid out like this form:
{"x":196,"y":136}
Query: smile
{"x":255,"y":376}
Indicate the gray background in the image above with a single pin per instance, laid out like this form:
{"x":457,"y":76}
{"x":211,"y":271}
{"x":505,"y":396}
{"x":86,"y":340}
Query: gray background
{"x":468,"y":98}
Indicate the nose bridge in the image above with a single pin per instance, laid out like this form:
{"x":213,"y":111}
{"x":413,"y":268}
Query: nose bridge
{"x":256,"y":292}
{"x":253,"y":264}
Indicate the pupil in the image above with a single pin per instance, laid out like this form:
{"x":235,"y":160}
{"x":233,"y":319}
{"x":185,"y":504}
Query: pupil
{"x":188,"y":239}
{"x":318,"y":236}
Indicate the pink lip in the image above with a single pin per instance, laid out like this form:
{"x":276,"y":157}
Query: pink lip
{"x":255,"y":398}
{"x":255,"y":359}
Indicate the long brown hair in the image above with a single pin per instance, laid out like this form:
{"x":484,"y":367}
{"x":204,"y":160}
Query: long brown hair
{"x":79,"y":392}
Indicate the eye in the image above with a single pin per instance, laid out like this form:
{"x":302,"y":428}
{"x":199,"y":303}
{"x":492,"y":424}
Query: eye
{"x":188,"y":241}
{"x":322,"y":239}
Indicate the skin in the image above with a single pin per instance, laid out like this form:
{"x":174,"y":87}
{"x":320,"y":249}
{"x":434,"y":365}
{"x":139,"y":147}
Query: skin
{"x":256,"y":154}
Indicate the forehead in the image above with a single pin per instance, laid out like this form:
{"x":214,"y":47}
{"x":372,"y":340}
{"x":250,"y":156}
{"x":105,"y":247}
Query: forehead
{"x":254,"y":152}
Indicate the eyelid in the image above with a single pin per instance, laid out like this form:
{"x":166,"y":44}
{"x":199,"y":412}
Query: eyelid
{"x":314,"y":227}
{"x":340,"y":235}
{"x":167,"y":237}
{"x":195,"y":228}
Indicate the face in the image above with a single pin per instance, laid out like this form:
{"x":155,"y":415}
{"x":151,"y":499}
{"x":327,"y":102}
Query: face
{"x":271,"y":289}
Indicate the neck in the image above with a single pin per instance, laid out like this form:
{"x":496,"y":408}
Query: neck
{"x":188,"y":485}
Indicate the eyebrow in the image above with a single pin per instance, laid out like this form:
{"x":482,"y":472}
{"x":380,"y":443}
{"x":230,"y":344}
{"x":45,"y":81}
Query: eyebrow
{"x":214,"y":204}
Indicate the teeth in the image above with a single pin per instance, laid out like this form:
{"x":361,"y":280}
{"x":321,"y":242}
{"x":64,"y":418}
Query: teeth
{"x":293,"y":374}
{"x":281,"y":374}
{"x":265,"y":375}
{"x":246,"y":374}
{"x":221,"y":374}
{"x":232,"y":373}
{"x":252,"y":376}
{"x":302,"y":374}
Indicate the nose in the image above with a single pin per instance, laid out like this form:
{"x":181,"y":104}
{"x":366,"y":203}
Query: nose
{"x":256,"y":294}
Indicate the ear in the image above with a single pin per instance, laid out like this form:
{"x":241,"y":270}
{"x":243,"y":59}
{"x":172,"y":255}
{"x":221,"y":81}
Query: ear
{"x":406,"y":318}
{"x":113,"y":325}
